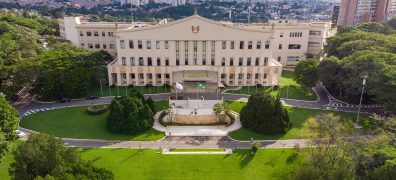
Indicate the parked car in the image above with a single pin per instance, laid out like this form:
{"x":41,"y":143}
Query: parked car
{"x":20,"y":134}
{"x":92,"y":97}
{"x":63,"y":100}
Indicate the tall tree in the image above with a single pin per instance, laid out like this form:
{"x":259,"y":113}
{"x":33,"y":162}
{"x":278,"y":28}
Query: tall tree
{"x":8,"y":119}
{"x":305,"y":73}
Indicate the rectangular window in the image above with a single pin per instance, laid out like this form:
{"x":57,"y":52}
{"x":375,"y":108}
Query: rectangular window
{"x":123,"y":61}
{"x":140,"y":44}
{"x":166,"y":45}
{"x":89,"y":33}
{"x":223,"y":61}
{"x":133,"y":76}
{"x":293,"y":58}
{"x":141,"y":76}
{"x":141,"y":61}
{"x":96,"y":33}
{"x":240,"y":62}
{"x":250,"y":45}
{"x":149,"y":61}
{"x":212,"y":54}
{"x":158,"y":76}
{"x":241,"y":44}
{"x":258,"y":46}
{"x":157,"y":44}
{"x":248,"y":61}
{"x":315,"y":33}
{"x":232,"y":44}
{"x":90,"y":45}
{"x":231,"y":61}
{"x":257,"y":63}
{"x":240,"y":76}
{"x":294,"y":46}
{"x":103,"y":34}
{"x":265,"y":61}
{"x":167,"y":76}
{"x":131,"y":45}
{"x":248,"y":76}
{"x":122,"y":44}
{"x":82,"y":44}
{"x":203,"y":52}
{"x":158,"y":61}
{"x":224,"y":44}
{"x":256,"y":76}
{"x":166,"y":61}
{"x":97,"y":46}
{"x":280,"y":46}
{"x":313,"y":44}
{"x":185,"y":52}
{"x":195,"y":48}
{"x":112,"y":46}
{"x":279,"y":58}
{"x":295,"y":34}
{"x":267,"y":44}
{"x":132,"y":59}
{"x":111,"y":34}
{"x":177,"y":53}
{"x":265,"y":75}
{"x":281,"y":34}
{"x":148,"y":44}
{"x":104,"y":46}
{"x":81,"y":33}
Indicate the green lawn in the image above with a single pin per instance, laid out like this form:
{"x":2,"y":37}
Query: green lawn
{"x":196,"y":150}
{"x":297,"y":115}
{"x":8,"y":158}
{"x":77,"y":123}
{"x":288,"y":89}
{"x":121,"y":91}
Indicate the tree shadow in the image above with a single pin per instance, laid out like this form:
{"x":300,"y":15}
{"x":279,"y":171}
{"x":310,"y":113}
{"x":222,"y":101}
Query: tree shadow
{"x":245,"y":157}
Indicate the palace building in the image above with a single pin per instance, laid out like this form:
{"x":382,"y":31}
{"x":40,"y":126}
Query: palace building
{"x":196,"y":49}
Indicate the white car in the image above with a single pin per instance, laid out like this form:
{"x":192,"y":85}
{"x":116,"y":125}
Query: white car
{"x":20,"y":134}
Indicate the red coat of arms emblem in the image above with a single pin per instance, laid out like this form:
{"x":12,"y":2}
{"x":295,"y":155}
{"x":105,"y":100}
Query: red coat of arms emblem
{"x":195,"y":29}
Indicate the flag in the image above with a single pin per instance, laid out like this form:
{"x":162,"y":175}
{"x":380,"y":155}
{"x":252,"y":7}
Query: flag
{"x":200,"y":86}
{"x":179,"y":86}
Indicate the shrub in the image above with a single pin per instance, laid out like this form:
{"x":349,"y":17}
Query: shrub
{"x":97,"y":109}
{"x":255,"y":147}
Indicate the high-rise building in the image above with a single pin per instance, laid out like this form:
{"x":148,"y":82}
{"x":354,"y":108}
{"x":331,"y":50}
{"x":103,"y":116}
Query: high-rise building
{"x":336,"y":13}
{"x":355,"y":12}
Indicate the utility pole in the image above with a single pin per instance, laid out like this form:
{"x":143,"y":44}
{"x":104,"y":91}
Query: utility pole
{"x":360,"y":103}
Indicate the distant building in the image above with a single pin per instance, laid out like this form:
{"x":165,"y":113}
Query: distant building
{"x":336,"y":13}
{"x":196,"y":49}
{"x":355,"y":12}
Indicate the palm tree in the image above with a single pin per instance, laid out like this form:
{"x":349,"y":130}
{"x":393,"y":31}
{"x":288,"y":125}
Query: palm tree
{"x":221,"y":110}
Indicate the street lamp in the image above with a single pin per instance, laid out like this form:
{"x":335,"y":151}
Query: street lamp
{"x":360,"y":103}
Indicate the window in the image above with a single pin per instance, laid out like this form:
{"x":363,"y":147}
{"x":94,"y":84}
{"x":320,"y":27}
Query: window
{"x":166,"y":61}
{"x":167,"y":76}
{"x":279,"y":58}
{"x":104,"y":46}
{"x":295,"y":34}
{"x":97,"y":46}
{"x":223,"y":76}
{"x":315,"y":33}
{"x":258,"y":45}
{"x":90,"y":45}
{"x":248,"y":61}
{"x":203,"y":52}
{"x":103,"y":34}
{"x":111,"y":34}
{"x":265,"y":61}
{"x":240,"y":76}
{"x":257,"y":63}
{"x":185,"y":52}
{"x":158,"y":61}
{"x":313,"y":44}
{"x":248,"y":76}
{"x":89,"y":33}
{"x":140,"y":44}
{"x":96,"y":33}
{"x":293,"y":58}
{"x":231,"y":61}
{"x":82,"y":44}
{"x":265,"y":75}
{"x":133,"y":76}
{"x":250,"y":45}
{"x":256,"y":76}
{"x":122,"y":44}
{"x":195,"y":48}
{"x":231,"y":76}
{"x":158,"y":76}
{"x":294,"y":46}
{"x":267,"y":44}
{"x":149,"y":61}
{"x":112,"y":46}
{"x":280,"y":46}
{"x":141,"y":76}
{"x":177,"y":53}
{"x":123,"y":61}
{"x":212,"y":54}
{"x":232,"y":45}
{"x":131,"y":45}
{"x":148,"y":44}
{"x":141,"y":61}
{"x":240,"y":62}
{"x":157,"y":44}
{"x":81,"y":33}
{"x":132,"y":59}
{"x":166,"y":45}
{"x":150,"y":76}
{"x":223,"y":61}
{"x":224,"y":45}
{"x":281,"y":34}
{"x":241,"y":44}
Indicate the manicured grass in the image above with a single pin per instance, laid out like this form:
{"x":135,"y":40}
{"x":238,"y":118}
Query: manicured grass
{"x":297,"y":115}
{"x":288,"y":89}
{"x":129,"y":164}
{"x":123,"y":90}
{"x":196,"y":150}
{"x":77,"y":123}
{"x":8,"y":158}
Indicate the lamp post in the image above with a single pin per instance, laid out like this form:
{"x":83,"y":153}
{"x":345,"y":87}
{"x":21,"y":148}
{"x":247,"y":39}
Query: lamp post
{"x":360,"y":103}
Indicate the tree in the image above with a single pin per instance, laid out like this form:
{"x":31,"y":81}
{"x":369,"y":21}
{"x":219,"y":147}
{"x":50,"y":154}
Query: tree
{"x":43,"y":156}
{"x":150,"y":103}
{"x":330,"y":73}
{"x":265,"y":114}
{"x":330,"y":156}
{"x":305,"y":73}
{"x":221,"y":110}
{"x":8,"y":119}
